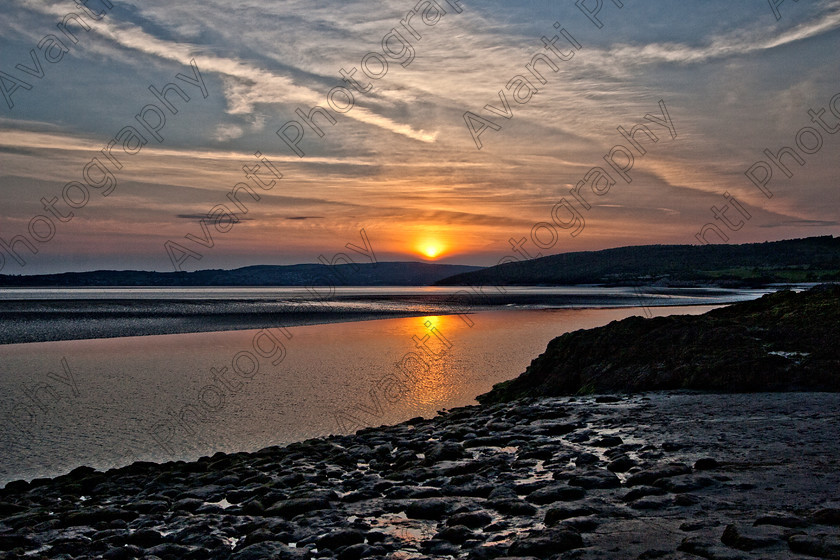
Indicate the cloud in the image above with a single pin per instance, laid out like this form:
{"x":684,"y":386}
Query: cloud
{"x":245,"y":84}
{"x":801,"y":223}
{"x":733,"y":44}
{"x":199,"y":217}
{"x":226,"y":132}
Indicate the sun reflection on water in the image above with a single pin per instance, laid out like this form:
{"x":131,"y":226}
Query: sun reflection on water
{"x":431,"y":366}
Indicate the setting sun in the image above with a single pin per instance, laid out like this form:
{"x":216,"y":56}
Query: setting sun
{"x":431,"y":250}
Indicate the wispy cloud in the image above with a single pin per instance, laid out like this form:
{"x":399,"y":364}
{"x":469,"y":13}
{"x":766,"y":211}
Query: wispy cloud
{"x":245,"y":84}
{"x":738,"y":43}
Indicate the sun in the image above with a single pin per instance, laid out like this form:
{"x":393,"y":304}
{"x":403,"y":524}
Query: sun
{"x":431,"y":251}
{"x":430,"y":248}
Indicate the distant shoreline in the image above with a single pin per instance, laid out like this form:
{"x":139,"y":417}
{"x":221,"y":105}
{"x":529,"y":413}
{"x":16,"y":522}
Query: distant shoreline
{"x":33,"y":330}
{"x":50,"y":320}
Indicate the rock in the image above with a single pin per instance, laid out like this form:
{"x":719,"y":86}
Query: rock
{"x":587,"y":524}
{"x":686,"y":500}
{"x":374,"y":537}
{"x":254,"y":507}
{"x":689,"y":526}
{"x":196,"y":534}
{"x":525,"y":488}
{"x":595,"y":479}
{"x":172,"y":550}
{"x":652,"y":554}
{"x":503,"y":492}
{"x":511,"y":506}
{"x":438,"y":548}
{"x":7,"y":509}
{"x":827,"y":516}
{"x":123,"y":553}
{"x":580,"y":437}
{"x":149,"y":506}
{"x":98,"y":515}
{"x":651,"y":503}
{"x":340,"y":538}
{"x":429,"y":508}
{"x":10,"y":542}
{"x":718,"y":351}
{"x":555,"y":493}
{"x":16,"y":487}
{"x":586,"y":459}
{"x":781,"y":520}
{"x":209,"y":493}
{"x":413,"y":492}
{"x":477,"y":490}
{"x":557,"y":514}
{"x":274,"y":550}
{"x":685,"y":483}
{"x":443,"y":452}
{"x":384,"y":451}
{"x":471,"y":519}
{"x":736,"y":538}
{"x":296,"y":506}
{"x":649,"y":476}
{"x":558,"y":429}
{"x":496,"y":440}
{"x":187,"y":504}
{"x":355,"y":551}
{"x":706,"y":464}
{"x":546,"y":544}
{"x":209,"y":508}
{"x":490,"y":552}
{"x":819,"y":546}
{"x":360,"y":496}
{"x":542,"y":453}
{"x":457,"y":534}
{"x":145,"y":538}
{"x":642,"y":491}
{"x":290,"y":480}
{"x":258,"y":536}
{"x":237,"y":496}
{"x":621,"y":465}
{"x":607,"y":441}
{"x":701,"y":547}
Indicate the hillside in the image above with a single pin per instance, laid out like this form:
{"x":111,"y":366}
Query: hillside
{"x":782,"y":341}
{"x":378,"y":274}
{"x":813,"y":259}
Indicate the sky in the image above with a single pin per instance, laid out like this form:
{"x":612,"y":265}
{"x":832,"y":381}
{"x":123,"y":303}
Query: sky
{"x":460,"y":132}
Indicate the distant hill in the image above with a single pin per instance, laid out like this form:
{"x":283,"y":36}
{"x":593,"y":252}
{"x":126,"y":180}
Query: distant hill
{"x":379,"y":274}
{"x":814,"y":259}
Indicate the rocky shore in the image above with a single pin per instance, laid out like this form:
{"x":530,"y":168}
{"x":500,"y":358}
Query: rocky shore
{"x":784,"y":341}
{"x":661,"y":475}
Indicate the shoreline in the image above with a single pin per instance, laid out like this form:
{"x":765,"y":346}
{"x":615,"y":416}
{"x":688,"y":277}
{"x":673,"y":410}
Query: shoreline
{"x":652,"y":476}
{"x":96,"y":328}
{"x":33,"y":321}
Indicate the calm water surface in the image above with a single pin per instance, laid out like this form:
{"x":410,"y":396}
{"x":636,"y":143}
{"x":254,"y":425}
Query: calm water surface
{"x":170,"y":397}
